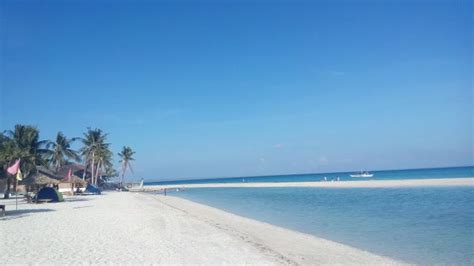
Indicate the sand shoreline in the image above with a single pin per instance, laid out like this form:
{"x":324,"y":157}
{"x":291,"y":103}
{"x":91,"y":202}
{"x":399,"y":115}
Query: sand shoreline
{"x":469,"y":181}
{"x":139,"y":228}
{"x":291,"y":247}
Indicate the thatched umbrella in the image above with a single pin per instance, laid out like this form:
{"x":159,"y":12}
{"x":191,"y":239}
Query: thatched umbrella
{"x":38,"y":180}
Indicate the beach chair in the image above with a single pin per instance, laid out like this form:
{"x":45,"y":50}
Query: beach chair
{"x":2,"y":210}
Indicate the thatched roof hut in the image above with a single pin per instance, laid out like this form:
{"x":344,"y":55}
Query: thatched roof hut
{"x":39,"y":179}
{"x":76,"y":169}
{"x":74,"y":180}
{"x":47,"y":172}
{"x":43,"y":176}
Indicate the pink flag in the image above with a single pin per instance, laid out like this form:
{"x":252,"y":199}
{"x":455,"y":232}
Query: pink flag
{"x":14,"y":168}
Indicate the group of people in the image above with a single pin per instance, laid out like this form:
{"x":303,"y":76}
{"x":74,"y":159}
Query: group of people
{"x":177,"y":190}
{"x":325,"y":179}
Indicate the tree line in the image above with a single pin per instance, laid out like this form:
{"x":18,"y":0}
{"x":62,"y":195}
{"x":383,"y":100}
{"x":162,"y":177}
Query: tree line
{"x":23,"y":142}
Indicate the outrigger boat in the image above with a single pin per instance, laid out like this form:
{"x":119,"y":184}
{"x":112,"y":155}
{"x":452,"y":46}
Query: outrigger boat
{"x":362,"y":174}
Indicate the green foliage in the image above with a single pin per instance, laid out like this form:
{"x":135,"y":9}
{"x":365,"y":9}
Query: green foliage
{"x":126,"y":156}
{"x":23,"y":142}
{"x":94,"y":142}
{"x":96,"y":152}
{"x":60,"y":151}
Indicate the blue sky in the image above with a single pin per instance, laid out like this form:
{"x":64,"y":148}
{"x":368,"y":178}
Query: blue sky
{"x":208,"y":89}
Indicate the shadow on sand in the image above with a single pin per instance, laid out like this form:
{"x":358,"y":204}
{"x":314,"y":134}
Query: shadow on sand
{"x":75,"y":199}
{"x":15,"y":214}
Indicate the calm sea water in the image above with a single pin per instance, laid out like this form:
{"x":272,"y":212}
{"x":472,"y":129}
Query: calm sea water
{"x":423,"y":225}
{"x":451,"y":172}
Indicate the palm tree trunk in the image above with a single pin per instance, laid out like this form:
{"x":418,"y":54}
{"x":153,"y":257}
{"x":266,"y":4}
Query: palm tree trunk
{"x":92,"y":168}
{"x":85,"y":170}
{"x":97,"y":171}
{"x":7,"y":193}
{"x":124,"y":168}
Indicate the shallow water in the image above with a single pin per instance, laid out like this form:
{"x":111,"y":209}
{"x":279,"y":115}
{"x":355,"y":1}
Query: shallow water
{"x":451,"y":172}
{"x":420,"y":225}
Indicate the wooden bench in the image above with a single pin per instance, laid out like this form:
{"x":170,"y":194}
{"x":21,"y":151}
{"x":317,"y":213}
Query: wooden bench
{"x":43,"y":200}
{"x":2,"y":209}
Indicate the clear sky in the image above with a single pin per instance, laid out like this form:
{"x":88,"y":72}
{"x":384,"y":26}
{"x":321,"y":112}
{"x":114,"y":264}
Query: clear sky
{"x":209,"y":89}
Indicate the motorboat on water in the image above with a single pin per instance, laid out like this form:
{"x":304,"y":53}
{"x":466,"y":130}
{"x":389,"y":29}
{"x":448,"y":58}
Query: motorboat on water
{"x":362,"y":174}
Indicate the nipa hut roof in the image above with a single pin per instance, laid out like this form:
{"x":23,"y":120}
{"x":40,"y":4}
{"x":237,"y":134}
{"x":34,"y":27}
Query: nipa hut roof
{"x":47,"y":172}
{"x":74,"y":179}
{"x":75,"y":169}
{"x":39,"y":179}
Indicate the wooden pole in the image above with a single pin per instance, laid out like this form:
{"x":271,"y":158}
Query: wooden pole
{"x":16,"y":194}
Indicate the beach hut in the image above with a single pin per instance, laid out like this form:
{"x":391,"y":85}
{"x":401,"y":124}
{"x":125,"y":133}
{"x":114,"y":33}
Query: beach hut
{"x":75,"y":181}
{"x":76,"y":169}
{"x":39,"y":180}
{"x":49,"y":194}
{"x":43,"y":176}
{"x":68,"y":184}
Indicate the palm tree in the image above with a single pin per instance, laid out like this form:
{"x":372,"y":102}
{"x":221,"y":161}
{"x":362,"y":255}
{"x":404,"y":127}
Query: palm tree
{"x":110,"y":172}
{"x":8,"y":151}
{"x":104,"y":161}
{"x":106,"y":173}
{"x":94,"y":149}
{"x":23,"y":143}
{"x":28,"y":147}
{"x":60,"y":151}
{"x":8,"y":154}
{"x":126,"y":156}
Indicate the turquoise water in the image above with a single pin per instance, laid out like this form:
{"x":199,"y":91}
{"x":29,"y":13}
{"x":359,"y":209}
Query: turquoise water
{"x":450,"y":172}
{"x":423,"y":225}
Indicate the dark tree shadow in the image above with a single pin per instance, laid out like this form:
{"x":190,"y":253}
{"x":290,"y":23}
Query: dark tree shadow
{"x":75,"y":199}
{"x":15,"y":214}
{"x":80,"y":207}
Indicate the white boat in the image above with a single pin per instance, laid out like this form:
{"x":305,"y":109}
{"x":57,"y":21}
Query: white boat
{"x":363,"y":174}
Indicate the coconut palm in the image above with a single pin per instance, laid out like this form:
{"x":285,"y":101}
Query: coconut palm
{"x":94,"y":148}
{"x":110,"y":172}
{"x":8,"y":154}
{"x":104,"y":161}
{"x":126,"y":156}
{"x":28,"y":147}
{"x":61,"y":152}
{"x":23,"y":143}
{"x":8,"y":151}
{"x":106,"y":173}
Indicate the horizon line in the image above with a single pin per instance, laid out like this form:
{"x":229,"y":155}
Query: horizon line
{"x":312,"y":173}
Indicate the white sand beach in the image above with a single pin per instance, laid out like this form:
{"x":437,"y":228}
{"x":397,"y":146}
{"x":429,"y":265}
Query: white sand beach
{"x":135,"y":228}
{"x":469,"y":181}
